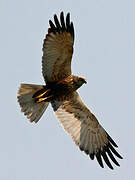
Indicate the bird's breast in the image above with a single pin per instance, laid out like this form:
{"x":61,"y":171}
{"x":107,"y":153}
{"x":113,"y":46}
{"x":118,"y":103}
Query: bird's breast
{"x":62,"y":92}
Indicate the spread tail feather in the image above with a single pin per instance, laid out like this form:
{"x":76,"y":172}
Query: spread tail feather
{"x":29,"y":106}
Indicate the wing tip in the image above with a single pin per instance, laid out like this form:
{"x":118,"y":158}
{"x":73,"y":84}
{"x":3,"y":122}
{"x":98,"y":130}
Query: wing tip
{"x":106,"y":154}
{"x":62,"y":25}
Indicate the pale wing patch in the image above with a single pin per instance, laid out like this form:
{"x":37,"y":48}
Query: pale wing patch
{"x":81,"y":127}
{"x":85,"y":130}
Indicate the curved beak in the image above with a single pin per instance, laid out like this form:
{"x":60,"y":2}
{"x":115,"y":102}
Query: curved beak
{"x":85,"y":81}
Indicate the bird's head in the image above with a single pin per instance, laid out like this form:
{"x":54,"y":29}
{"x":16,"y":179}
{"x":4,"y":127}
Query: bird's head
{"x":79,"y":81}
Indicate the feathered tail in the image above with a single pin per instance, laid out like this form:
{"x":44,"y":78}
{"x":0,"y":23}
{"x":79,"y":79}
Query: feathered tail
{"x":29,"y":106}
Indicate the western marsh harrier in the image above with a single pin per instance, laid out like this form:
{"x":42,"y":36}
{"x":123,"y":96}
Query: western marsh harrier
{"x":60,"y":90}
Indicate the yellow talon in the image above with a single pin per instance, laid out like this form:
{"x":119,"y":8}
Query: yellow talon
{"x":43,"y":99}
{"x":42,"y":94}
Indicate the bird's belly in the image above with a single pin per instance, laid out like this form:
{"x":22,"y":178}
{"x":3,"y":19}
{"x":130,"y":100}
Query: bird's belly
{"x":62,"y":94}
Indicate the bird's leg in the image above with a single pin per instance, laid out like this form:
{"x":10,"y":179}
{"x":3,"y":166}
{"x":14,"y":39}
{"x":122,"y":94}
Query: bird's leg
{"x":42,"y":95}
{"x":43,"y":99}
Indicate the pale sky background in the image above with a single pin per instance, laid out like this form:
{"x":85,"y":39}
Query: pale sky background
{"x":104,"y":53}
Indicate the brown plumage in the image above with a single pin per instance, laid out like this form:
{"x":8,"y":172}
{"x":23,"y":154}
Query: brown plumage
{"x":61,"y":91}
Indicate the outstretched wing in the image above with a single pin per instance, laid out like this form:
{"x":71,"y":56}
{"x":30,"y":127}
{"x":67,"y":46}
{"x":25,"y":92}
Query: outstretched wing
{"x":58,"y":49}
{"x":85,"y":130}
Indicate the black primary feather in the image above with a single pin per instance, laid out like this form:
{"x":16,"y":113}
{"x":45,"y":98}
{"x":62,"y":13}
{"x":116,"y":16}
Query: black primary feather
{"x":57,"y":23}
{"x":62,"y":21}
{"x":107,"y":152}
{"x":99,"y":159}
{"x":68,"y":22}
{"x":62,"y":25}
{"x":114,"y":151}
{"x":112,"y":157}
{"x":111,"y":140}
{"x":103,"y":153}
{"x":52,"y":27}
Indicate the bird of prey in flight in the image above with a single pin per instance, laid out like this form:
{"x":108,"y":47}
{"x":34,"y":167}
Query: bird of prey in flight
{"x":60,"y":89}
